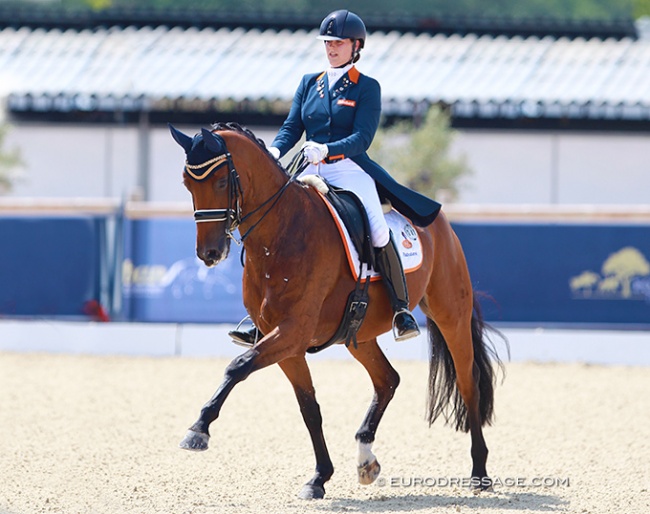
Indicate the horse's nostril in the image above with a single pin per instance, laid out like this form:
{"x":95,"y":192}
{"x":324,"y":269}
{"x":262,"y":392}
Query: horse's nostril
{"x":209,"y":255}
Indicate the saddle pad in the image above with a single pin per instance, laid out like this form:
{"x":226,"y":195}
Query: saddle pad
{"x":405,"y":236}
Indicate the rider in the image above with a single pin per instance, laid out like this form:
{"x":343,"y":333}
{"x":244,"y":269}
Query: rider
{"x":339,"y":109}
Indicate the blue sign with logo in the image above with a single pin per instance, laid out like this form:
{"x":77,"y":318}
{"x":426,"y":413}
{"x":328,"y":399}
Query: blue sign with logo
{"x":560,"y":274}
{"x":530,"y":274}
{"x":164,"y":281}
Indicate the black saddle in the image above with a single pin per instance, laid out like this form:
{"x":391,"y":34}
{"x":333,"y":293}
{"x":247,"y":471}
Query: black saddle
{"x":355,"y":218}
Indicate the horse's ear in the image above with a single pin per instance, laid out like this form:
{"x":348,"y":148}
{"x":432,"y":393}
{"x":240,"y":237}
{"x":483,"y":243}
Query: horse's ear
{"x":213,"y":141}
{"x":182,"y":139}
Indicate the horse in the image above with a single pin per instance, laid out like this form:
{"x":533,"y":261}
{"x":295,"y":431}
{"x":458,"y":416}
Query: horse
{"x":296,"y":281}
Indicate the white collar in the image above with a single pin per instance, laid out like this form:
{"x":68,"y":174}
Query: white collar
{"x":334,"y":74}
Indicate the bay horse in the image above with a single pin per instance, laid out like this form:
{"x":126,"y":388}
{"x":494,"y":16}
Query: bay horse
{"x":296,"y":281}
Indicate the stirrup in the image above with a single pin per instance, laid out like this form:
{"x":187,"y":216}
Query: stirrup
{"x":409,"y":331}
{"x":245,"y":338}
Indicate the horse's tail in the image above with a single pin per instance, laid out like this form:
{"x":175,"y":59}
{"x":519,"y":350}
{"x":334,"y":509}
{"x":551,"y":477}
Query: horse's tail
{"x":444,"y":397}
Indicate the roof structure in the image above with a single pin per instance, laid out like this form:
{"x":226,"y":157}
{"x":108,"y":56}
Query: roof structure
{"x":191,"y":69}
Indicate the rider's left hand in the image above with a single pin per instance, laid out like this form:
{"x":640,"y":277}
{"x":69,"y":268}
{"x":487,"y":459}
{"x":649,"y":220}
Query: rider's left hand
{"x":315,"y":152}
{"x":275,"y":152}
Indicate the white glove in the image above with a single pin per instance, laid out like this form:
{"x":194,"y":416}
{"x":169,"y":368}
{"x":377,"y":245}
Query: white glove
{"x":275,"y":152}
{"x":314,"y":152}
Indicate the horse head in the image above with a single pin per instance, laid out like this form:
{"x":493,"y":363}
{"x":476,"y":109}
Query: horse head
{"x":211,"y":179}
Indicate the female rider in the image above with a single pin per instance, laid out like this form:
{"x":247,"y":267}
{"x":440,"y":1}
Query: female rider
{"x":339,"y":109}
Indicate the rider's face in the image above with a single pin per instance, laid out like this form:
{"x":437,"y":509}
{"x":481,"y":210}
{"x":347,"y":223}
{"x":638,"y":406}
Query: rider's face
{"x":338,"y":52}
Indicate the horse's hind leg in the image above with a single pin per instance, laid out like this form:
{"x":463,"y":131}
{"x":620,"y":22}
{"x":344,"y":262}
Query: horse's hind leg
{"x":461,"y":374}
{"x":297,"y":372}
{"x":385,"y":380}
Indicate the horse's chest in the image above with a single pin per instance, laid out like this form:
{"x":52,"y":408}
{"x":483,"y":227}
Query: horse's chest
{"x":269,"y":272}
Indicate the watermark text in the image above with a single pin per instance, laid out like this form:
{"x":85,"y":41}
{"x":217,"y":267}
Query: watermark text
{"x":473,"y":482}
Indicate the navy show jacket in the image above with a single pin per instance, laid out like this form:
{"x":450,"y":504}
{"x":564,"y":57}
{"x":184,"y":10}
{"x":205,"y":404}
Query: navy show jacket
{"x":346,"y":118}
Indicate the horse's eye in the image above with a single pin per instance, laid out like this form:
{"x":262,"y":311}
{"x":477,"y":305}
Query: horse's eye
{"x":222,"y":183}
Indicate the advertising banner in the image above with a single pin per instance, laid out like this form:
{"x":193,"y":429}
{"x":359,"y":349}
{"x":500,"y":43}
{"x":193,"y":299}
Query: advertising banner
{"x":561,"y":274}
{"x":50,"y":267}
{"x":164,"y":281}
{"x":530,"y":274}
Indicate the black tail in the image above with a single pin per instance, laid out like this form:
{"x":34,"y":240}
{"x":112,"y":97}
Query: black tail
{"x":444,"y":397}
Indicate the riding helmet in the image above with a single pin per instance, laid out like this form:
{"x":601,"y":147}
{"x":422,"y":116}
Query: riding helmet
{"x":343,"y":24}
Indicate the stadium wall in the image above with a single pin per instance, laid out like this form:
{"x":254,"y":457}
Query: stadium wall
{"x":137,"y":264}
{"x":508,"y":167}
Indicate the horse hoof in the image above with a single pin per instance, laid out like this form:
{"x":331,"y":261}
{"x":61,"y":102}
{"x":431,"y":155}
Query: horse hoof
{"x":195,"y":441}
{"x":312,"y":492}
{"x":482,"y":485}
{"x":368,"y":472}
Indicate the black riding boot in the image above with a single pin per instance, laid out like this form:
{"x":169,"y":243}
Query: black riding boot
{"x":246,"y":337}
{"x":390,"y":266}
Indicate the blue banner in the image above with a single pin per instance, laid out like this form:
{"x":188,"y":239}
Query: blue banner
{"x":529,"y":273}
{"x":50,"y":267}
{"x":561,"y":274}
{"x":164,"y":281}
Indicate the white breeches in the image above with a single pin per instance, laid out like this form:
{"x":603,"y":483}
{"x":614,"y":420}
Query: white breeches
{"x":347,"y":174}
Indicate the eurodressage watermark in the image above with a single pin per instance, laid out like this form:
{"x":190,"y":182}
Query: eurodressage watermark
{"x":470,"y":482}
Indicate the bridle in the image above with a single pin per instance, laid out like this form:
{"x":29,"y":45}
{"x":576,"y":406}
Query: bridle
{"x":232,"y":216}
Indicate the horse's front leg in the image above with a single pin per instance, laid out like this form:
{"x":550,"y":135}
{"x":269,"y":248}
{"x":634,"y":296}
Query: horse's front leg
{"x":297,"y":372}
{"x":198,"y":434}
{"x":270,"y":350}
{"x":385,"y":380}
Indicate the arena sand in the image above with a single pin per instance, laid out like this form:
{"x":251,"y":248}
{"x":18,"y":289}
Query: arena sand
{"x":88,"y":434}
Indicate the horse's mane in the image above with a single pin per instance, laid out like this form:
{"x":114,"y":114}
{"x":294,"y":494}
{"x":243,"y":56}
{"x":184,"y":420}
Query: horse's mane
{"x":236,"y":127}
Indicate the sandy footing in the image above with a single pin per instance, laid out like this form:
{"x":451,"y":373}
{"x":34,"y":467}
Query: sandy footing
{"x":91,"y":434}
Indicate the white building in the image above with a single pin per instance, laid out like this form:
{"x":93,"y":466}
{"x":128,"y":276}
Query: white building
{"x":541,"y":119}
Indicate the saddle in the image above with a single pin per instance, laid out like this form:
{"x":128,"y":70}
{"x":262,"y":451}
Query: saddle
{"x":354,"y":217}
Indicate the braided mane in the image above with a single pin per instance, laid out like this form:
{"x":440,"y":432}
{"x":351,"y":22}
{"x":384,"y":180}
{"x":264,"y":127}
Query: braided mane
{"x":231,"y":125}
{"x":236,"y":127}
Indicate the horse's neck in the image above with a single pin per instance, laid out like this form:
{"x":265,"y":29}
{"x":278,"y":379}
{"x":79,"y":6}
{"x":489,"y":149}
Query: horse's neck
{"x":266,"y":195}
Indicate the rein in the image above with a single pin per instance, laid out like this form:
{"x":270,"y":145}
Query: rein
{"x":235,"y":194}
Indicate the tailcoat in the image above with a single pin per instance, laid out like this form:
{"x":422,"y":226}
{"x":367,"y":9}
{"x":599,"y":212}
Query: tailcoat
{"x":346,"y":118}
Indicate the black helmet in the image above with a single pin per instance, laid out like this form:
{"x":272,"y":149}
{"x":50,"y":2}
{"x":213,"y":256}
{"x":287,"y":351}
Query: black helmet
{"x":343,"y":24}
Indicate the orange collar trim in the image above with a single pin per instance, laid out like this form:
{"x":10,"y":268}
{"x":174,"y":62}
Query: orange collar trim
{"x":353,"y":73}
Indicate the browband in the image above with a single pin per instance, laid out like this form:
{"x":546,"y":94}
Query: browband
{"x":216,"y":162}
